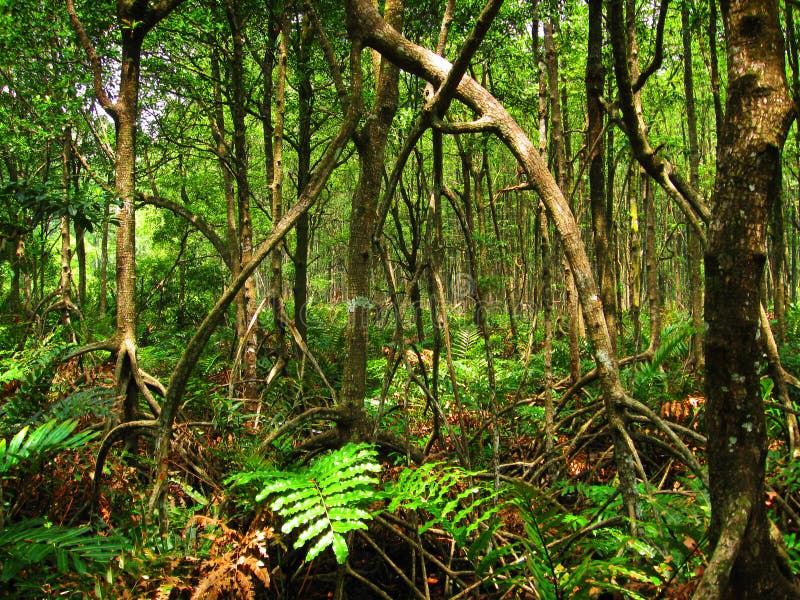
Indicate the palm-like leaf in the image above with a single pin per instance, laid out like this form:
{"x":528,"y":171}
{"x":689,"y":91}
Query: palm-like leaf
{"x":48,"y":437}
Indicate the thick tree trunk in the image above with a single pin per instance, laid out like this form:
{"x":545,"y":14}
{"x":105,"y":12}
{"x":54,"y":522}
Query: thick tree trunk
{"x":759,"y":111}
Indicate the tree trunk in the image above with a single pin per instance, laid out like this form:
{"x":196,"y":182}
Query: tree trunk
{"x":305,"y":103}
{"x":125,"y":184}
{"x":80,"y":254}
{"x":601,"y":219}
{"x":560,"y":167}
{"x":635,"y":259}
{"x":248,"y":330}
{"x":137,"y":19}
{"x":651,"y":265}
{"x":276,"y":189}
{"x":65,"y":283}
{"x":759,"y":112}
{"x":102,"y":302}
{"x":777,"y":264}
{"x":370,"y":145}
{"x":693,"y":240}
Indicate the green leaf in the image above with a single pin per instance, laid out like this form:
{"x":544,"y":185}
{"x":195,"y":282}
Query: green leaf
{"x":324,"y":500}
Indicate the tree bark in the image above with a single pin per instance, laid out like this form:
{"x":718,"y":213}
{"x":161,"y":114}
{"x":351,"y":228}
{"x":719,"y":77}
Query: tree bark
{"x":276,"y":189}
{"x":248,"y":335}
{"x":601,"y":219}
{"x":759,"y":112}
{"x":370,"y":144}
{"x":305,"y":103}
{"x":693,"y":240}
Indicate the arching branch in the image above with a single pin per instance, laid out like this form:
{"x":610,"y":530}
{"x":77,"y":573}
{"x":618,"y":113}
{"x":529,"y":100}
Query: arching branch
{"x":196,"y":220}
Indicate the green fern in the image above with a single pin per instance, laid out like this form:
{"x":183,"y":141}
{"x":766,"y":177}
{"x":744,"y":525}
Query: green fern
{"x":51,"y":436}
{"x":674,"y":344}
{"x":33,"y":541}
{"x":466,"y":341}
{"x":463,"y":511}
{"x":323,"y":501}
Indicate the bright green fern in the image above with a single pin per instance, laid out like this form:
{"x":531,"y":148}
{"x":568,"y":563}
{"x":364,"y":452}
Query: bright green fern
{"x":467,"y":511}
{"x":323,"y":501}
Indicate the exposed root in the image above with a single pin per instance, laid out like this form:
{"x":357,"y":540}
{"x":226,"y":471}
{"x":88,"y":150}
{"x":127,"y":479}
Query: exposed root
{"x":715,"y":579}
{"x":116,"y":434}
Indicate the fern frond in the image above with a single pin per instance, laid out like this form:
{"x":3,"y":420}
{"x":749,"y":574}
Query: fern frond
{"x":325,"y":500}
{"x":460,"y":511}
{"x":465,"y":341}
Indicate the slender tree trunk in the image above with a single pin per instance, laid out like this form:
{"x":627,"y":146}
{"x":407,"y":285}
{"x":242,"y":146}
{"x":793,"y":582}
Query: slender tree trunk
{"x":777,"y":263}
{"x":248,"y":335}
{"x":560,"y":165}
{"x":65,"y":283}
{"x":693,"y":240}
{"x":635,"y":273}
{"x":547,"y":305}
{"x":276,"y":189}
{"x":136,"y":19}
{"x":651,"y":265}
{"x":80,"y":254}
{"x":601,"y":219}
{"x":125,"y":183}
{"x":102,"y":304}
{"x":370,"y":144}
{"x":759,"y":112}
{"x":713,"y":67}
{"x":305,"y":103}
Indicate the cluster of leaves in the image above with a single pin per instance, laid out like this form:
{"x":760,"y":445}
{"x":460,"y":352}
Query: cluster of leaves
{"x":29,"y":372}
{"x":28,"y":203}
{"x":29,"y":543}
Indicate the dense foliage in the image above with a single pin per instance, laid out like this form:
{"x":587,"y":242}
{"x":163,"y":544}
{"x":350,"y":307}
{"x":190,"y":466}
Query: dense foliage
{"x":311,"y":330}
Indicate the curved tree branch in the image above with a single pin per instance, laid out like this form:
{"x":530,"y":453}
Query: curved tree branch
{"x":94,"y":61}
{"x":660,"y":169}
{"x":197,"y":221}
{"x":658,"y":56}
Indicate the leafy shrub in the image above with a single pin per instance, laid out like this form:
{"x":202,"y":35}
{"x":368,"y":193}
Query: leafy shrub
{"x":33,"y":368}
